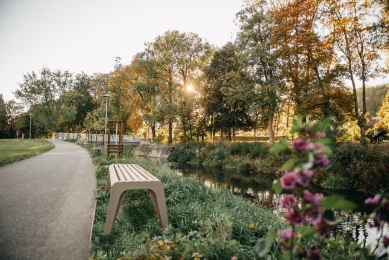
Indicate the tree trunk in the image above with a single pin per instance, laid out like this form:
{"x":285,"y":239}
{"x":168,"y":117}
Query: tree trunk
{"x":170,"y":138}
{"x":184,"y":131}
{"x":270,"y":130}
{"x":153,"y":135}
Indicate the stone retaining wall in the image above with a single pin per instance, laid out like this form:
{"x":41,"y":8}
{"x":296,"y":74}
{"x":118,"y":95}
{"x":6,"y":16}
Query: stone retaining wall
{"x":152,"y":150}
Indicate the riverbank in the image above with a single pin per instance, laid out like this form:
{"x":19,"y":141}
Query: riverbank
{"x":204,"y":222}
{"x":353,"y":166}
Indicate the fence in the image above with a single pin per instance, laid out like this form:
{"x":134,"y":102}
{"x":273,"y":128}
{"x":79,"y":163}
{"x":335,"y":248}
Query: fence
{"x":93,"y":137}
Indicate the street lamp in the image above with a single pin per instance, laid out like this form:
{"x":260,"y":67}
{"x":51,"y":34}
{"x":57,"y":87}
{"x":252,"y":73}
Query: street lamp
{"x":106,"y":117}
{"x":30,"y":124}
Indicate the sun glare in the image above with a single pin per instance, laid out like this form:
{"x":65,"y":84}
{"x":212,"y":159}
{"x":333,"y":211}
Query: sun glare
{"x":189,"y":88}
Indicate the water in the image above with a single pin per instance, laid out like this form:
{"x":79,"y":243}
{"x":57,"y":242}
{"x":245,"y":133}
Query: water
{"x":258,"y":189}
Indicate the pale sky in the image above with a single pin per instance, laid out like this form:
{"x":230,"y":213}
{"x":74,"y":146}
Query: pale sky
{"x":87,"y":35}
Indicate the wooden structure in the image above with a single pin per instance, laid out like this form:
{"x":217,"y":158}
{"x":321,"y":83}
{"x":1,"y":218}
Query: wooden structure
{"x":123,"y":177}
{"x":117,"y":147}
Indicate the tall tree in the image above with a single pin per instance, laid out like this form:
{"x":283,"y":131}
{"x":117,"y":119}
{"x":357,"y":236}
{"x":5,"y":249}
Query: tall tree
{"x":350,"y":27}
{"x":227,"y":93}
{"x":254,"y":37}
{"x":41,"y":93}
{"x":193,"y":54}
{"x":147,"y":87}
{"x":179,"y":58}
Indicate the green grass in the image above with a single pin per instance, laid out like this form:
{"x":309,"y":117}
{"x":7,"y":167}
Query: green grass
{"x":13,"y":150}
{"x":205,"y":223}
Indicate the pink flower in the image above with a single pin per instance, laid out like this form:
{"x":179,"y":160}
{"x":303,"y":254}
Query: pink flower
{"x":307,"y":173}
{"x":386,"y":241}
{"x":310,"y":146}
{"x":234,"y":258}
{"x":285,"y":234}
{"x":288,"y":180}
{"x":314,"y":216}
{"x":312,"y":199}
{"x":294,"y":217}
{"x":373,"y":201}
{"x":303,"y":178}
{"x":299,"y":144}
{"x":324,"y":228}
{"x":319,"y":147}
{"x":313,"y":134}
{"x":288,"y":202}
{"x":321,"y":161}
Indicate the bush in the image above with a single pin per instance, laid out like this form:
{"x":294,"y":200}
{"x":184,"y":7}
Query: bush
{"x":357,"y":167}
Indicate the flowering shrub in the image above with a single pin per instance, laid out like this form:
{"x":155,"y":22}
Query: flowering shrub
{"x":304,"y":211}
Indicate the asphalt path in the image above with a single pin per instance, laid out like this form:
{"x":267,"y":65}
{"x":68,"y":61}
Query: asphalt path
{"x":47,"y":205}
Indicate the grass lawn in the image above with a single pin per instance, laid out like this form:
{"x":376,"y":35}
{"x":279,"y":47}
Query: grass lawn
{"x":13,"y":150}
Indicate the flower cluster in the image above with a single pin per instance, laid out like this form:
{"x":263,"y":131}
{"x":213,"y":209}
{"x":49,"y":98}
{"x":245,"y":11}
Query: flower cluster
{"x":311,"y":155}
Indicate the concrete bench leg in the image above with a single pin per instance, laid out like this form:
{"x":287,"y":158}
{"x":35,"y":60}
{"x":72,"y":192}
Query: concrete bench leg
{"x":157,"y":195}
{"x":158,"y":198}
{"x":115,"y":202}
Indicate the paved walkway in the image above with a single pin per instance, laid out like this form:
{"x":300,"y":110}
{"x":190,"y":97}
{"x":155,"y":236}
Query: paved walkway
{"x":47,"y":204}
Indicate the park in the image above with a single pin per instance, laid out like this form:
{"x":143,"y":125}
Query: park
{"x":272,"y":146}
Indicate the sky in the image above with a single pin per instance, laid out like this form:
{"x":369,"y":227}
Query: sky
{"x":87,"y":35}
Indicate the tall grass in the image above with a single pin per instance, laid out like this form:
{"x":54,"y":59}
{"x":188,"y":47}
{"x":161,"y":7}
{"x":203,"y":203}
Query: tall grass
{"x":13,"y":150}
{"x":203,"y":222}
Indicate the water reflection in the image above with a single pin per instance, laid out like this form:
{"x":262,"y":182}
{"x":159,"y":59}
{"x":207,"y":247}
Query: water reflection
{"x":258,"y":189}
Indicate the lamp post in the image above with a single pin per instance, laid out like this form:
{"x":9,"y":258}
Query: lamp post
{"x":106,"y":117}
{"x":30,"y":125}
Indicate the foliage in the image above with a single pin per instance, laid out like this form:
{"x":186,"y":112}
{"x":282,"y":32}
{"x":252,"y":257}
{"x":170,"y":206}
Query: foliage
{"x":251,"y":157}
{"x":350,"y":27}
{"x":383,"y":113}
{"x":357,"y":167}
{"x":205,"y":223}
{"x":13,"y":150}
{"x":375,"y":95}
{"x":305,"y":214}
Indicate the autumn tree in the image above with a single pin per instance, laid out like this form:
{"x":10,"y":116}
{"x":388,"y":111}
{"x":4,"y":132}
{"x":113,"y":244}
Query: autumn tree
{"x":309,"y":62}
{"x":383,"y":113}
{"x":124,"y":105}
{"x":350,"y":29}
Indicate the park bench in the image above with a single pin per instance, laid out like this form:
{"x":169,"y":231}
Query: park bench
{"x":123,"y":177}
